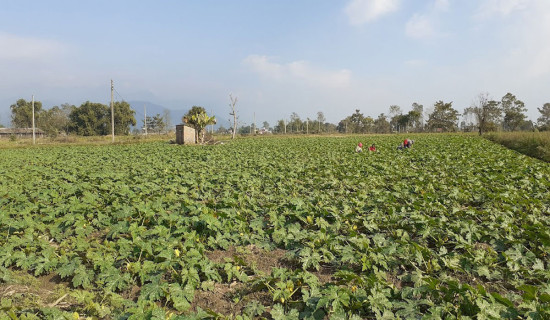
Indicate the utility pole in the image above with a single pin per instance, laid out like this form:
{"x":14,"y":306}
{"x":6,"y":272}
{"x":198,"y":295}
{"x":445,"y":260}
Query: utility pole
{"x":234,"y":114}
{"x":145,"y":118}
{"x":254,"y":124}
{"x":112,"y":112}
{"x":284,"y":120}
{"x":33,"y":130}
{"x":307,"y":126}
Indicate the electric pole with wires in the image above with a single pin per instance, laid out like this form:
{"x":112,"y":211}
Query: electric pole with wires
{"x":145,"y":118}
{"x":112,"y":112}
{"x":33,"y":127}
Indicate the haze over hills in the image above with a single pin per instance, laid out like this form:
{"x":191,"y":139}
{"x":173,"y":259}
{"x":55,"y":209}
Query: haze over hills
{"x":175,"y":115}
{"x":153,"y":109}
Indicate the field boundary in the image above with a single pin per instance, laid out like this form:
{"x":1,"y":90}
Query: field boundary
{"x":533,"y":144}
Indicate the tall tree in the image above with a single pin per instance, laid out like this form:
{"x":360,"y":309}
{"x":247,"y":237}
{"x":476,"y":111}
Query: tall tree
{"x":155,"y":123}
{"x":401,"y":122}
{"x":344,"y":126}
{"x":544,"y":120}
{"x":90,"y":119}
{"x":56,"y":120}
{"x":486,"y":112}
{"x":279,"y":127}
{"x":356,"y":122}
{"x":418,"y":117}
{"x":329,"y":127}
{"x":514,"y":112}
{"x":265,"y":125}
{"x":21,"y":113}
{"x":124,"y":117}
{"x":167,"y":119}
{"x":159,"y":123}
{"x":395,"y":116}
{"x":443,"y":117}
{"x":395,"y":110}
{"x":320,"y":119}
{"x":368,"y":124}
{"x":151,"y":126}
{"x":381,"y":124}
{"x":295,"y":122}
{"x":67,"y":109}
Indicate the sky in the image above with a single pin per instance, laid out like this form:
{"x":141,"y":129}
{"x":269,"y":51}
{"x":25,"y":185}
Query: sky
{"x":276,"y":57}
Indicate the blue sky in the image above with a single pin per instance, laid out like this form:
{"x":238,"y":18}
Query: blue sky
{"x":277,"y":57}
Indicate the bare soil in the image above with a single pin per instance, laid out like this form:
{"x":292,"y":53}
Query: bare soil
{"x":231,"y":299}
{"x":43,"y":291}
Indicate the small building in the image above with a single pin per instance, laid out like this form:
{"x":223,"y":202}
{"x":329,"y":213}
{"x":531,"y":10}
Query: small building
{"x":185,"y":134}
{"x":20,"y":133}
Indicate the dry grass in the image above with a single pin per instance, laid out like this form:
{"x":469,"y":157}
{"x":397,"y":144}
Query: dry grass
{"x":534,"y":144}
{"x":79,"y":140}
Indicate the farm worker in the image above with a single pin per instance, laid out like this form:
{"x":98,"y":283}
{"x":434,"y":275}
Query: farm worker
{"x":359,"y":147}
{"x":407,"y":143}
{"x":372,"y":148}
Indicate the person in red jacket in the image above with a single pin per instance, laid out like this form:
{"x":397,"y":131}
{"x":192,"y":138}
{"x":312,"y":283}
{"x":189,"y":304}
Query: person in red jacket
{"x":372,"y":148}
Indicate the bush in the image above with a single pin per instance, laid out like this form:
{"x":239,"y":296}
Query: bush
{"x":534,"y":144}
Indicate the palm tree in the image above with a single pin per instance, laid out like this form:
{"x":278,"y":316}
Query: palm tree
{"x":200,"y":121}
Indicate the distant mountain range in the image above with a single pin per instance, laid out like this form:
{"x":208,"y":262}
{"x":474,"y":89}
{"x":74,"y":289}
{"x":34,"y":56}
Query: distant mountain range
{"x":153,"y":109}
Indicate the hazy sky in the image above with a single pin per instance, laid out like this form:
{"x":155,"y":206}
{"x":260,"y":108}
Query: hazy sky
{"x":277,"y":57}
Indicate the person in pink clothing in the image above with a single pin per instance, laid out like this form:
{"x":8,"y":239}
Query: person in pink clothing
{"x":359,"y":147}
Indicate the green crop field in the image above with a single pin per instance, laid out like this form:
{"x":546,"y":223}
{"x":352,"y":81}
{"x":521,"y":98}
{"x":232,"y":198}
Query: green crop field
{"x":281,"y":228}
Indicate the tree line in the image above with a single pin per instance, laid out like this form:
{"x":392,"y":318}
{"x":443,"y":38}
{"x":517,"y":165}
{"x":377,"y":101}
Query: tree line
{"x":88,"y":119}
{"x":485,"y":114}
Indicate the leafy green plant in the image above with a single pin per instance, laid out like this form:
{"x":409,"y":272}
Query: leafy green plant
{"x":455,"y":227}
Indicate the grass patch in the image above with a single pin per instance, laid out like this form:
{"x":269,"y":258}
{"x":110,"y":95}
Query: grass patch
{"x":80,"y":140}
{"x":534,"y":144}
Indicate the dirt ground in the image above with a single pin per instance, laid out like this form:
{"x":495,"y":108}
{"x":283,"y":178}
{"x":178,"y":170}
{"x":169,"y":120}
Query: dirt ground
{"x":44,"y":291}
{"x":231,"y":298}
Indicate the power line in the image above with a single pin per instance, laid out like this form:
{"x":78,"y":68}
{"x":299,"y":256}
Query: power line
{"x":124,"y":100}
{"x":112,"y":112}
{"x":119,"y":95}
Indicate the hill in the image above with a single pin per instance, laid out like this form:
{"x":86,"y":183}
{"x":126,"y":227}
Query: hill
{"x":153,"y":109}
